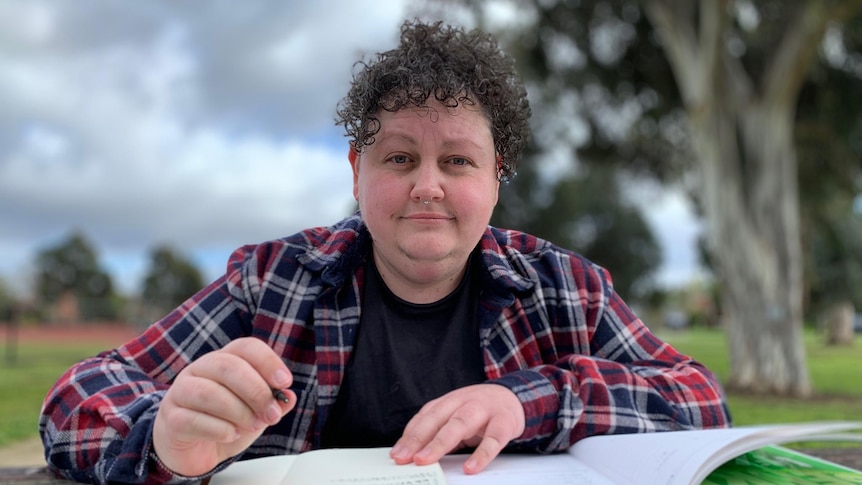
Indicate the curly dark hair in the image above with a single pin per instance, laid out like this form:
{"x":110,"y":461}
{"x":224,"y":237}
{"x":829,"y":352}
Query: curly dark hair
{"x":451,"y":64}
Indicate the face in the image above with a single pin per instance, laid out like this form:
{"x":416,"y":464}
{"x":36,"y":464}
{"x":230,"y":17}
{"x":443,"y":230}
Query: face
{"x":441,"y":155}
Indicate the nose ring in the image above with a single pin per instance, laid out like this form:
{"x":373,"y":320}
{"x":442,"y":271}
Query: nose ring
{"x":426,"y":202}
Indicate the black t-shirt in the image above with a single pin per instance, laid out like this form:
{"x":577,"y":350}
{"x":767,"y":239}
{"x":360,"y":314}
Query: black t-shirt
{"x":405,"y":355}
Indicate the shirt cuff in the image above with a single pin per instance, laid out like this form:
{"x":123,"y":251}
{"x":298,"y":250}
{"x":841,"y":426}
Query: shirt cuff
{"x":160,"y":473}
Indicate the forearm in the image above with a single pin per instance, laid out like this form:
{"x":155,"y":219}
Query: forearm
{"x":585,"y":396}
{"x":96,"y":422}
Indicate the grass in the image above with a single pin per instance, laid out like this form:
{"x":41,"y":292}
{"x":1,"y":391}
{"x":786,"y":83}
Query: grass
{"x":25,"y":383}
{"x":836,"y":374}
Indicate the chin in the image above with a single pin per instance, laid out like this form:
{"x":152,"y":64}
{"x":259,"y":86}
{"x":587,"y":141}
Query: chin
{"x":427,"y":255}
{"x":427,"y":251}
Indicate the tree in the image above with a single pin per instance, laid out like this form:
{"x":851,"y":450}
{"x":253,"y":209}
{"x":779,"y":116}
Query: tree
{"x":741,"y":116}
{"x":7,"y":302}
{"x":836,"y":252}
{"x":585,"y":212}
{"x":829,"y":140}
{"x":705,"y":91}
{"x":71,"y":269}
{"x":170,"y":279}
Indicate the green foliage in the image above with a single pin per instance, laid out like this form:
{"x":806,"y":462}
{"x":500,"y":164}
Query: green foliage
{"x":588,"y":214}
{"x":170,"y":279}
{"x":7,"y":301}
{"x":835,"y":267}
{"x":829,"y":147}
{"x":608,"y":230}
{"x":604,"y":114}
{"x":72,"y":266}
{"x":601,"y":85}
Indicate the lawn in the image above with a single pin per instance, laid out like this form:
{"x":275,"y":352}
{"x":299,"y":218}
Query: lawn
{"x":24,"y":384}
{"x":836,"y":373}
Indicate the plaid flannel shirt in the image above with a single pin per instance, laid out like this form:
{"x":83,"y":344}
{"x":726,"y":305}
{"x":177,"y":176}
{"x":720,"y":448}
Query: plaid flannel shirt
{"x":553,"y":331}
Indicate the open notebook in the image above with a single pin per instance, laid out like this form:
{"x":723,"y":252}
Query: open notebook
{"x":668,"y":458}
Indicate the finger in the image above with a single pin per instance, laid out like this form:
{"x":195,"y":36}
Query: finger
{"x":236,"y":386}
{"x":204,"y":395}
{"x":251,"y":369}
{"x":421,"y":429}
{"x":191,"y":426}
{"x":466,"y":422}
{"x":263,"y":359}
{"x":497,"y":435}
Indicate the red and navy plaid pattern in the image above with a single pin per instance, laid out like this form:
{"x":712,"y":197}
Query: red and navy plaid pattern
{"x":552,"y":330}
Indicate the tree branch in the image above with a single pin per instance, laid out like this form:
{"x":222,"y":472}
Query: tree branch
{"x":679,"y":41}
{"x":692,"y":50}
{"x":787,"y":69}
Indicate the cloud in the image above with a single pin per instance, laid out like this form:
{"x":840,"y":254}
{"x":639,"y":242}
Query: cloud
{"x":204,"y":126}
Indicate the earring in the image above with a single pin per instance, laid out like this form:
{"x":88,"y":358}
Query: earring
{"x":506,"y":179}
{"x":505,"y":172}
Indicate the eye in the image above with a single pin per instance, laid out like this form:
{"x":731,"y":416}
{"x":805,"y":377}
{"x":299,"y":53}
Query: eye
{"x":399,"y":159}
{"x":458,"y":161}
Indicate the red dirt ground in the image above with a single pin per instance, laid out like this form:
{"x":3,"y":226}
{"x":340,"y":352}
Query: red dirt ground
{"x":108,"y":334}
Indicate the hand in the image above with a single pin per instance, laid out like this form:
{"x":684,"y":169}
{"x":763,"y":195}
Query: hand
{"x":487,"y":416}
{"x":219,"y":404}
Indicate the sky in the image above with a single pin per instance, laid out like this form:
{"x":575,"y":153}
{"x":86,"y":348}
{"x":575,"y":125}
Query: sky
{"x":199,"y":125}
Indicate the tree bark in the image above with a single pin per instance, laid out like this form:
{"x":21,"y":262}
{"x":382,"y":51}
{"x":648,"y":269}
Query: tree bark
{"x":839,"y":323}
{"x":753,"y":228}
{"x":742,"y":135}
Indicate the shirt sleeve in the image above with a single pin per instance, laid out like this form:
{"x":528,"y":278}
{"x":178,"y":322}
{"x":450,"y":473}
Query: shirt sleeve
{"x":589,"y":366}
{"x":97,"y":420}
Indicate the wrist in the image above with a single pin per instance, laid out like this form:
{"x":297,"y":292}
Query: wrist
{"x":158,"y":467}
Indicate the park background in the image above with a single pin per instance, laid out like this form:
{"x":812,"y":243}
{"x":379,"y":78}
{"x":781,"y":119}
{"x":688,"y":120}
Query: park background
{"x":141,"y":143}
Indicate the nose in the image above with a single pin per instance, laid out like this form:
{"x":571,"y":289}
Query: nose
{"x":428,"y":183}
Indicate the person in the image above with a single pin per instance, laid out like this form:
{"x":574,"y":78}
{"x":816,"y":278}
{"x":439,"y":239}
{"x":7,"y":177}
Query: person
{"x":411,"y":323}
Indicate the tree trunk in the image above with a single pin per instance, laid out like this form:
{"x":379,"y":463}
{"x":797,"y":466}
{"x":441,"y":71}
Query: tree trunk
{"x":839,"y":323}
{"x":743,"y":144}
{"x":750,"y":202}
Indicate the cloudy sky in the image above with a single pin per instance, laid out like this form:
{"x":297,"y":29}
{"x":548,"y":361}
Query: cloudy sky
{"x":202,"y":125}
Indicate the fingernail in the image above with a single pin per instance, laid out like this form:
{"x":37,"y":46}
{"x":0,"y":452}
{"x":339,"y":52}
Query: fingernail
{"x":280,"y":378}
{"x":399,"y":452}
{"x":273,"y":414}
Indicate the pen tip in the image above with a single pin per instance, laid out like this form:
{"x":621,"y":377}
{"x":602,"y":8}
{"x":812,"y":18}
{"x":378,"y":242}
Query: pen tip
{"x":279,"y":394}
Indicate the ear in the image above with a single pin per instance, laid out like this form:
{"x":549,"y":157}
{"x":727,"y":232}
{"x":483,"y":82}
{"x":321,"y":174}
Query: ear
{"x":353,"y":157}
{"x":496,"y":192}
{"x":500,"y":166}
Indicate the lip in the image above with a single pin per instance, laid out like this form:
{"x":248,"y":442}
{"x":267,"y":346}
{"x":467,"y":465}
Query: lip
{"x":428,"y":217}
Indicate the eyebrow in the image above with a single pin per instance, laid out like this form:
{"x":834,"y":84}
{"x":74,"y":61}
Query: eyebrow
{"x":450,"y":144}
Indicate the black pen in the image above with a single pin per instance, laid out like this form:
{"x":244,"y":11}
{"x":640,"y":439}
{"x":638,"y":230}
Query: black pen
{"x":279,"y":395}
